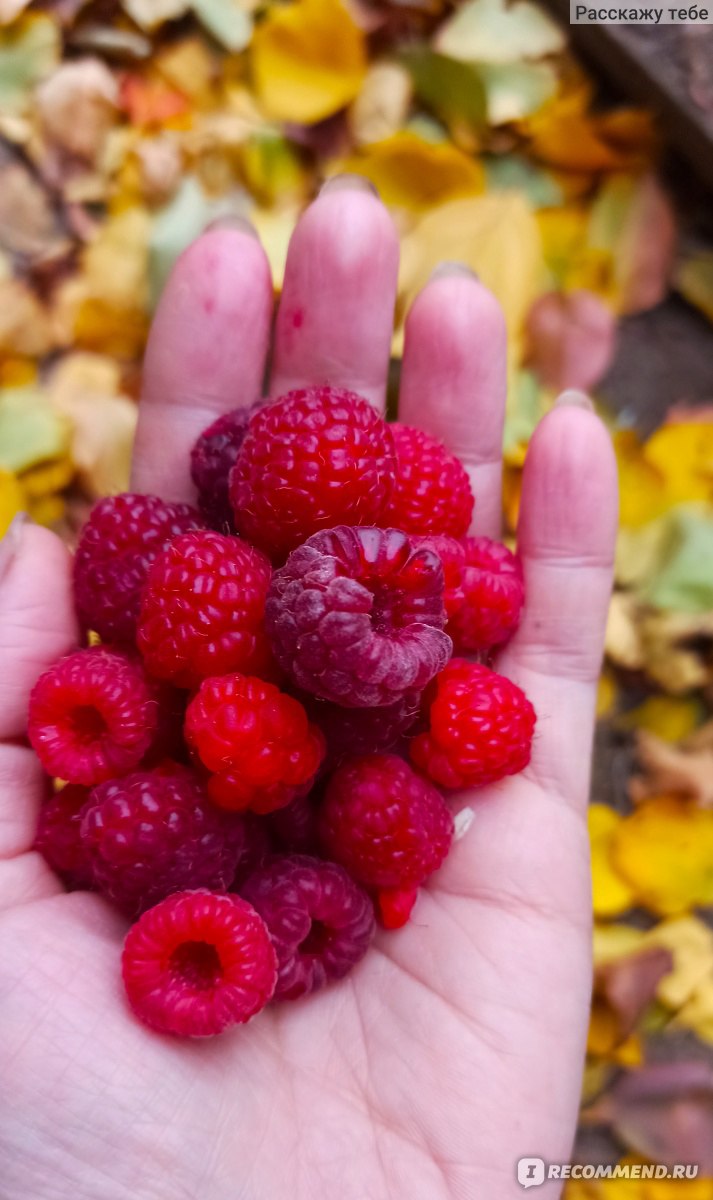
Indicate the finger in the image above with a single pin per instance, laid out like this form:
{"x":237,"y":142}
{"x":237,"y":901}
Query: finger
{"x":566,"y":537}
{"x":37,"y":626}
{"x":206,"y":353}
{"x":453,"y":380}
{"x":336,"y":313}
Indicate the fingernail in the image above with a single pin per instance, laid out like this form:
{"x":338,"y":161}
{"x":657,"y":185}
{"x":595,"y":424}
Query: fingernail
{"x":348,"y":183}
{"x":232,"y":221}
{"x":447,"y":269}
{"x":11,"y":542}
{"x":574,"y":398}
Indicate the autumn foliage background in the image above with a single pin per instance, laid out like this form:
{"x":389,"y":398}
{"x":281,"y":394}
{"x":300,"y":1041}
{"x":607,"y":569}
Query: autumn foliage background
{"x":126,"y":127}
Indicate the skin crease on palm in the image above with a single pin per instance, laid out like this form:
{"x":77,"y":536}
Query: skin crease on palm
{"x":456,"y":1046}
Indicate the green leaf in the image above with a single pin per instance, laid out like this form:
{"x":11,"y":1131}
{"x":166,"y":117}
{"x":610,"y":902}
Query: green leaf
{"x":176,"y":226}
{"x":29,"y":50}
{"x":31,"y":432}
{"x":490,"y":31}
{"x":510,"y":172}
{"x":228,"y":20}
{"x":684,"y":579}
{"x":452,"y":90}
{"x":694,"y":280}
{"x":516,"y":90}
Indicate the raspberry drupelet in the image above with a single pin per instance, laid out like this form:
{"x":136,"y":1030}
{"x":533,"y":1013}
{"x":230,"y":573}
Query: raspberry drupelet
{"x":156,"y":832}
{"x":432,"y":493}
{"x":197,"y":963}
{"x":202,"y":611}
{"x":213,"y":458}
{"x":480,"y":727}
{"x":321,"y":923}
{"x":356,"y":617}
{"x":255,"y":740}
{"x":119,"y":542}
{"x":388,"y":827}
{"x":92,"y":716}
{"x":490,"y":598}
{"x":58,"y":837}
{"x":313,"y":459}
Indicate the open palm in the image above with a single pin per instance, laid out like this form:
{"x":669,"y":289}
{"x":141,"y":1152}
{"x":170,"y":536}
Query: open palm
{"x":455,"y":1047}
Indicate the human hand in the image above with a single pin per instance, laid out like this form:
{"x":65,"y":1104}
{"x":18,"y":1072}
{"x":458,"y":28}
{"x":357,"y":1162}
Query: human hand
{"x":456,"y":1046}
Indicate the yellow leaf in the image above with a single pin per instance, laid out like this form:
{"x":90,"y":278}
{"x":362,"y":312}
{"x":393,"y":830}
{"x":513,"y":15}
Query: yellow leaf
{"x":623,"y":642}
{"x":12,"y":499}
{"x":697,"y":1013}
{"x":691,"y":943}
{"x":611,"y":942}
{"x":414,"y":173}
{"x":682,"y":453}
{"x":611,"y":894}
{"x":694,"y":280}
{"x":496,"y":235}
{"x":85,"y":389}
{"x":675,"y":649}
{"x":606,"y":693}
{"x":664,"y":851}
{"x":308,"y":60}
{"x":641,"y":484}
{"x":669,"y":717}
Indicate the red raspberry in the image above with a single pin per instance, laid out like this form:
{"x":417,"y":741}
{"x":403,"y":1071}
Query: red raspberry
{"x":156,"y":832}
{"x":58,"y":839}
{"x":485,"y":590}
{"x":258,"y":847}
{"x":432,"y":493}
{"x":320,"y":922}
{"x":294,"y":827}
{"x":197,"y":963}
{"x":351,"y":731}
{"x":212,"y":459}
{"x":452,"y":555}
{"x":395,"y":905}
{"x":93,"y":715}
{"x":118,"y":544}
{"x":389,"y":827}
{"x":315,"y":458}
{"x":257,"y":742}
{"x":356,"y":616}
{"x":480,"y":727}
{"x":202,"y":610}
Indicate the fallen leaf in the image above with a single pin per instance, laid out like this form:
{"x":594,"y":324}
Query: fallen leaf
{"x":382,"y":105}
{"x":30,"y":431}
{"x":514,"y":91}
{"x":607,"y":693}
{"x":308,"y":60}
{"x":512,"y":172}
{"x":697,"y":1013}
{"x":642,"y":497}
{"x":664,"y":851}
{"x":10,"y":9}
{"x":160,"y":166}
{"x":669,"y":717}
{"x":174,"y":228}
{"x":148,"y":100}
{"x":149,"y":14}
{"x":273,"y":170}
{"x":682,"y":453}
{"x":663,"y":1111}
{"x":632,"y":218}
{"x":452,"y":90}
{"x":690,"y":941}
{"x":671,"y":770}
{"x":678,"y":649}
{"x":25,"y":325}
{"x":693,"y":278}
{"x":683,"y":581}
{"x":230,"y":21}
{"x":623,"y":990}
{"x":413,"y":173}
{"x":29,"y":224}
{"x":623,"y":641}
{"x":84,"y":388}
{"x":492,"y":31}
{"x":77,"y":105}
{"x":29,"y":51}
{"x":571,"y":339}
{"x":12,"y":499}
{"x":612,"y":896}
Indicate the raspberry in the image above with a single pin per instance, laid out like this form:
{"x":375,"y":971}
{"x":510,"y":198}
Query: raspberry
{"x":313,"y":459}
{"x":155,"y":832}
{"x":480,"y":727}
{"x":432,"y":492}
{"x":93,"y":715}
{"x":256,"y":741}
{"x":257,"y":847}
{"x":395,"y":905}
{"x":452,"y":555}
{"x":389,"y":827}
{"x":294,"y":827}
{"x":356,"y":616}
{"x":57,"y":838}
{"x":118,"y":544}
{"x":320,"y":922}
{"x":202,"y":609}
{"x":197,"y":963}
{"x":492,"y":594}
{"x":351,"y":731}
{"x":212,"y":458}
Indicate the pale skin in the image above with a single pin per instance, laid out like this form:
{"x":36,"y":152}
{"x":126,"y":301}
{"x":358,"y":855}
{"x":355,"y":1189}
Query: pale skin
{"x":456,"y":1047}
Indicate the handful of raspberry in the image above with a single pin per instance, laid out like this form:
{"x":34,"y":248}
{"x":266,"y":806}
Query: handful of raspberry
{"x":254,"y":740}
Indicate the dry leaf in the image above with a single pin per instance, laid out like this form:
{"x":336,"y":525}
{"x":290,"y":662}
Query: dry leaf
{"x":308,"y":60}
{"x":25,"y":325}
{"x":611,"y":894}
{"x":29,"y":51}
{"x":623,"y":642}
{"x":669,"y":717}
{"x":413,"y":173}
{"x":29,"y":225}
{"x":381,"y":107}
{"x":12,"y":499}
{"x":570,"y":339}
{"x":678,"y":649}
{"x":151,"y":13}
{"x":84,"y":388}
{"x":623,"y":990}
{"x":492,"y":31}
{"x":694,"y":280}
{"x":664,"y":851}
{"x":671,"y":770}
{"x":77,"y":106}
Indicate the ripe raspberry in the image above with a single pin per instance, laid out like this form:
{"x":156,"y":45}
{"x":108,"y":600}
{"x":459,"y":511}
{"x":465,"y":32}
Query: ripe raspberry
{"x":480,"y":727}
{"x":212,"y":459}
{"x":389,"y":827}
{"x":156,"y":832}
{"x":492,"y":589}
{"x":202,"y":609}
{"x":351,"y":731}
{"x":315,"y":458}
{"x":356,"y":616}
{"x":452,"y":555}
{"x":257,"y":847}
{"x":197,"y":963}
{"x":432,"y":492}
{"x":93,"y":715}
{"x":257,"y":742}
{"x":394,"y":906}
{"x":320,"y":921}
{"x":294,"y":827}
{"x":118,"y":544}
{"x":57,"y":838}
